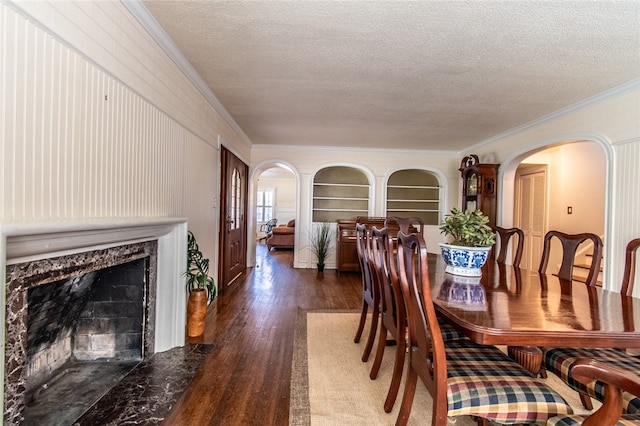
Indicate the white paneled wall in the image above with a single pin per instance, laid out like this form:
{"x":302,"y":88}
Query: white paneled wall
{"x":201,"y":196}
{"x":626,"y":219}
{"x":78,"y":143}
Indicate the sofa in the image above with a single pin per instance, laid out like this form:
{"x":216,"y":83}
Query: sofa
{"x":282,"y":236}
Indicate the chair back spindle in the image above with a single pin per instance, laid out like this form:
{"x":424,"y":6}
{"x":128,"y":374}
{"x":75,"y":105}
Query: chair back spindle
{"x":628,"y":277}
{"x":505,"y":235}
{"x":370,"y":291}
{"x":408,"y":225}
{"x":392,"y":313}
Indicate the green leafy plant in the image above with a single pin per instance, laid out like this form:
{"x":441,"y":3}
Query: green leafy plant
{"x":321,"y":241}
{"x":468,"y":229}
{"x":197,"y":272}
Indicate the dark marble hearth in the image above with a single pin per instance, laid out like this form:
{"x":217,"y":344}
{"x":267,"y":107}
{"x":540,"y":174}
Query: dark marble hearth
{"x":147,"y":394}
{"x":72,"y":390}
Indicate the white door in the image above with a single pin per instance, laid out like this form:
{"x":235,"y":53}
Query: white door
{"x":531,"y":212}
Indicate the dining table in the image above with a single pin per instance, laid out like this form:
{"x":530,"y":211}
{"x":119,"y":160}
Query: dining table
{"x":519,"y":307}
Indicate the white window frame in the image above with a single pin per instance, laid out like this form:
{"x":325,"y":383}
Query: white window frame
{"x":262,"y":206}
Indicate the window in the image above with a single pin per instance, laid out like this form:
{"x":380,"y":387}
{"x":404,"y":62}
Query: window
{"x":264,"y":205}
{"x":236,"y":199}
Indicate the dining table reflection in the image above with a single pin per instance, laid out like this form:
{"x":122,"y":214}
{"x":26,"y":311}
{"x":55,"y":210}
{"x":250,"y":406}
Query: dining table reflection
{"x":511,"y":306}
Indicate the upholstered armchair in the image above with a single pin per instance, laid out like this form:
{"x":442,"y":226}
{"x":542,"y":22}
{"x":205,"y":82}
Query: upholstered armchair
{"x":282,"y":236}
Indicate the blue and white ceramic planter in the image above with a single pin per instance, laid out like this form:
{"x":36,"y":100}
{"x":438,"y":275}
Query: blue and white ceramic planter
{"x":465,"y":261}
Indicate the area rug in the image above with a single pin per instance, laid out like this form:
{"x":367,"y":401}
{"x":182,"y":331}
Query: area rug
{"x":330,"y":385}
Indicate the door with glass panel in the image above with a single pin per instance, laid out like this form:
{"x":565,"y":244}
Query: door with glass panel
{"x":233,"y":213}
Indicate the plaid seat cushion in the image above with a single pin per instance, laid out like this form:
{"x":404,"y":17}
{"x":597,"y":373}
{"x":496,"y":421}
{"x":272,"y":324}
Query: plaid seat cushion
{"x":560,"y":361}
{"x":449,"y":332}
{"x":482,"y":381}
{"x":576,"y":420}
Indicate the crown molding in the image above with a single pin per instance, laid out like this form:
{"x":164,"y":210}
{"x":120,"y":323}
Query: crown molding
{"x":149,"y":23}
{"x":628,"y":86}
{"x":273,"y":147}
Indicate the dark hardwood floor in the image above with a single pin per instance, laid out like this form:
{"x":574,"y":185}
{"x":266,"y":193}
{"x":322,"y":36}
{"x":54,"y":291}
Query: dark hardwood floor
{"x":245,"y":379}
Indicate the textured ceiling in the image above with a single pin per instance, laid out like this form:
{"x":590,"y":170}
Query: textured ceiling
{"x":438,"y":75}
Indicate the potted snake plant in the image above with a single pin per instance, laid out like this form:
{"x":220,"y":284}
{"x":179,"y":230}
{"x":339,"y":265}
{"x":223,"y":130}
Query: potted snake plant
{"x":471,"y":239}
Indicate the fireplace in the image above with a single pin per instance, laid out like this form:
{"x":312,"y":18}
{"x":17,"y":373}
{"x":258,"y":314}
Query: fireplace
{"x":67,"y":311}
{"x":81,"y":308}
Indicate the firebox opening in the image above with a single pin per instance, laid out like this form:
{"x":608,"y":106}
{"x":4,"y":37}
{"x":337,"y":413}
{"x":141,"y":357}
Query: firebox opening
{"x":84,"y":334}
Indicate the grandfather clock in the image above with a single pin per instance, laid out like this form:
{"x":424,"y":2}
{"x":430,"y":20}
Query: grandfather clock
{"x":479,"y":186}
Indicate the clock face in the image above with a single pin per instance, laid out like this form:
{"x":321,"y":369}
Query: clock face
{"x":472,"y":184}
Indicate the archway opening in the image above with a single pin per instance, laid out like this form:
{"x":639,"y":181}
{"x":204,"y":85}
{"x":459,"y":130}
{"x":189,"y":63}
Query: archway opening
{"x":560,"y":186}
{"x":275,"y":194}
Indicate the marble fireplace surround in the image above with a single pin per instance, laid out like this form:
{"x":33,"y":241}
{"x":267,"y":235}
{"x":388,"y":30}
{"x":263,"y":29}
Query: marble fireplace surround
{"x":36,"y":241}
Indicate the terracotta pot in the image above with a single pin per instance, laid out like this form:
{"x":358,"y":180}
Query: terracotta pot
{"x":196,"y":312}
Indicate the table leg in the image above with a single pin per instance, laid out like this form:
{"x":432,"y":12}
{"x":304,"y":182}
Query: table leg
{"x":530,"y":357}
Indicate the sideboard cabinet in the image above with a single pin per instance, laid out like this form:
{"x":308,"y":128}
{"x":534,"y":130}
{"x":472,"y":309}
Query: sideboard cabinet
{"x":346,"y":250}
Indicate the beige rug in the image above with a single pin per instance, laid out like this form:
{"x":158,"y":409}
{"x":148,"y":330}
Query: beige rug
{"x":330,"y":385}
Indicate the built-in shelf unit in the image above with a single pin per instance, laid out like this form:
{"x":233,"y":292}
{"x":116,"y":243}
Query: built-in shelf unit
{"x":414,"y":192}
{"x":340,"y":193}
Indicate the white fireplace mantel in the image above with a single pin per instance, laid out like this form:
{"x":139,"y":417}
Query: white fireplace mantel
{"x":24,"y":242}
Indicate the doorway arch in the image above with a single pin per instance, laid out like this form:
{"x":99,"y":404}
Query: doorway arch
{"x":507,"y":177}
{"x":254,"y":176}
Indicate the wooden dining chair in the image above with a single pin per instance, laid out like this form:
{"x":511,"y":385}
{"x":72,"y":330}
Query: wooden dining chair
{"x":570,"y":243}
{"x":370,"y":291}
{"x":393,"y":319}
{"x":560,"y":361}
{"x":616,"y":383}
{"x":463,"y":378}
{"x":505,"y":235}
{"x":408,"y":225}
{"x":628,"y":277}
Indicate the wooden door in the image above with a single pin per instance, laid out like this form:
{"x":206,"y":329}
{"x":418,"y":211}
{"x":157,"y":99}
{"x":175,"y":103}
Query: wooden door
{"x":531,"y":212}
{"x":233,"y":214}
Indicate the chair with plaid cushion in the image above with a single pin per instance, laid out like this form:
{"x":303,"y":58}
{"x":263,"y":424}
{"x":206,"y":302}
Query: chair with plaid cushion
{"x":393,"y":319}
{"x":616,"y":380}
{"x":560,"y":361}
{"x":463,"y":378}
{"x":370,"y":291}
{"x":410,"y":225}
{"x":392,"y":316}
